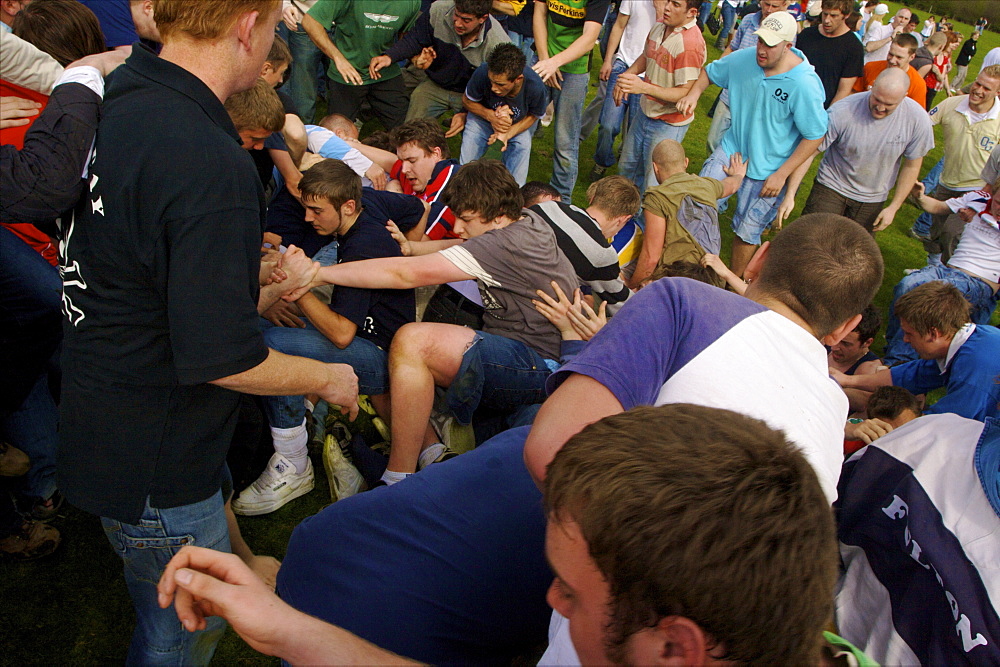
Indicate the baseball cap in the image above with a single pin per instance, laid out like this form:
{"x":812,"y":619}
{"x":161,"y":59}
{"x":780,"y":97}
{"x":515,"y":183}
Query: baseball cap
{"x":881,"y":9}
{"x":778,"y":27}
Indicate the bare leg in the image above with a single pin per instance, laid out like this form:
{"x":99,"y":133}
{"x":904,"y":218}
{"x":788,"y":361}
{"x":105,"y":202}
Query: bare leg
{"x":423,"y":355}
{"x":382,"y":407}
{"x":742,"y":253}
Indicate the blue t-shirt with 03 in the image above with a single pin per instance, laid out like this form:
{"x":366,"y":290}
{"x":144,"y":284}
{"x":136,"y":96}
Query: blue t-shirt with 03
{"x":529,"y":101}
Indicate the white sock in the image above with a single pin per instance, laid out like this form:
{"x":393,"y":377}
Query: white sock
{"x":429,"y":455}
{"x":309,"y":405}
{"x":293,"y":444}
{"x":390,"y":477}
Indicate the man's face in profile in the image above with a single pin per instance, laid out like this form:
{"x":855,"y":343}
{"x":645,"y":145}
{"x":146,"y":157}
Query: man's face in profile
{"x":253,"y":140}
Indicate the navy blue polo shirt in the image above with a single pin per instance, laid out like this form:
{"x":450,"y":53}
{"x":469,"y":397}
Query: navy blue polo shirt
{"x":161,"y":284}
{"x":378,"y":313}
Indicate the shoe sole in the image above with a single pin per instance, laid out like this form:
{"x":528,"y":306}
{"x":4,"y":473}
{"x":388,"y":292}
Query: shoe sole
{"x":257,"y":511}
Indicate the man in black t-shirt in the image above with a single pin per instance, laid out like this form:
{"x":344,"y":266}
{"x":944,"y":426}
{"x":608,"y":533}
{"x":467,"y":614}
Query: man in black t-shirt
{"x":356,"y":328}
{"x":161,"y":282}
{"x":831,"y":47}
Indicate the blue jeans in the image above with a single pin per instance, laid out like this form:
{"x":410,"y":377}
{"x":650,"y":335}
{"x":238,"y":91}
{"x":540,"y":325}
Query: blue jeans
{"x":976,"y":292}
{"x":728,"y":20}
{"x":32,"y":429}
{"x":517,"y":156}
{"x":703,"y":13}
{"x":610,"y":122}
{"x":525,"y":44}
{"x":304,"y":73}
{"x":145,"y":549}
{"x":368,"y":361}
{"x":754,"y":213}
{"x":567,"y":121}
{"x":644,"y":133}
{"x":922,"y":227}
{"x":30,"y":318}
{"x":498,"y":373}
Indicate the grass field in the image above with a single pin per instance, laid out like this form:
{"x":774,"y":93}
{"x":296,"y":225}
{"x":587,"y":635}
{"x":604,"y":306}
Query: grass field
{"x":73,"y":608}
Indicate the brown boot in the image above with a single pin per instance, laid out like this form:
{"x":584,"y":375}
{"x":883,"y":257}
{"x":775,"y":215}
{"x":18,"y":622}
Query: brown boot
{"x":32,"y":540}
{"x":13,"y":462}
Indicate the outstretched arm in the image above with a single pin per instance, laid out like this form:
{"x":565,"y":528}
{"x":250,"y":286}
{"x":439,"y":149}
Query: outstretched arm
{"x":905,"y":181}
{"x":202,"y":582}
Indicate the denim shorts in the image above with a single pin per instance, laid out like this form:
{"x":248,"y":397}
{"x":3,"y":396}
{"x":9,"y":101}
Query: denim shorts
{"x":754,"y":214}
{"x":499,"y":373}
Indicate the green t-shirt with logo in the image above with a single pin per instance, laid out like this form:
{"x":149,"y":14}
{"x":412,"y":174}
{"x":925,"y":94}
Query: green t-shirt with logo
{"x":365,"y":29}
{"x":565,"y":21}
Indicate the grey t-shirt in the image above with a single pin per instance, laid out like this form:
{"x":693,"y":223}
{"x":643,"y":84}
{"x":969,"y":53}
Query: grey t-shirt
{"x":863,"y":154}
{"x":991,"y":170}
{"x":509,"y":265}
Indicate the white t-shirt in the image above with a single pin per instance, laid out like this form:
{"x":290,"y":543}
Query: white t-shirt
{"x":641,"y":17}
{"x":877,"y":33}
{"x":979,"y":250}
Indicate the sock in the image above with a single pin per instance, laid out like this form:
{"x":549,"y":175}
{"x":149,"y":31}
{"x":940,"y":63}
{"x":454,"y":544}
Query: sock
{"x":309,"y":405}
{"x":390,"y":477}
{"x":429,"y":455}
{"x":292,"y":443}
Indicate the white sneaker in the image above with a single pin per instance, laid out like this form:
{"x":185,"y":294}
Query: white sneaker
{"x":276,"y":486}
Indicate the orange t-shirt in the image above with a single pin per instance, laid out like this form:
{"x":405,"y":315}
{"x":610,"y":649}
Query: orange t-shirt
{"x":918,"y":89}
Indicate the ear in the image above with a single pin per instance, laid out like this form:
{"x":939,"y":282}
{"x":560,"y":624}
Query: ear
{"x":837,"y":335}
{"x":438,"y":153}
{"x":349,"y":208}
{"x":147,"y":8}
{"x":756,"y":263}
{"x":266,"y":69}
{"x":675,"y":641}
{"x":687,"y":161}
{"x":244,"y":28}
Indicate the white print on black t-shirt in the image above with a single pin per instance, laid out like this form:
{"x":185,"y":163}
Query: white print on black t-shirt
{"x":70,"y":269}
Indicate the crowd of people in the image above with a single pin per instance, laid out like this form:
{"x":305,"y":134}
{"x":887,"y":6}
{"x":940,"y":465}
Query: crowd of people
{"x":596,"y":431}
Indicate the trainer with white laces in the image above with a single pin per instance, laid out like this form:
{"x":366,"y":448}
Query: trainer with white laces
{"x":279,"y":484}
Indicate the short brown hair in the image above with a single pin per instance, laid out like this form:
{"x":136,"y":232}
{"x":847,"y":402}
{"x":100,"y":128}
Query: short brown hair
{"x":333,"y":181}
{"x":990,"y":72}
{"x":614,"y":195}
{"x":258,"y":107}
{"x":682,"y":269}
{"x":907,"y":41}
{"x":845,"y":6}
{"x":825,"y":267}
{"x":279,"y":54}
{"x":484,"y":187}
{"x":204,"y":19}
{"x":474,"y":7}
{"x":65,"y":29}
{"x":935,"y":305}
{"x":707,"y":514}
{"x":425,"y":133}
{"x":871,"y":322}
{"x":889,"y":402}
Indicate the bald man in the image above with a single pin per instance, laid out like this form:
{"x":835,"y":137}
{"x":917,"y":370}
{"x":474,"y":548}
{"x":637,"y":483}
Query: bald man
{"x":682,"y":221}
{"x":873,"y":138}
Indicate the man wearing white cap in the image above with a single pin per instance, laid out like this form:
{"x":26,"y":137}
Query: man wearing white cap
{"x":776,"y":100}
{"x":878,"y":37}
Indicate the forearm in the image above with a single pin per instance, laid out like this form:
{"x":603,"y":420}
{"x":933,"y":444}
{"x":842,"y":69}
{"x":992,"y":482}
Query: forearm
{"x":669,"y":95}
{"x":475,"y":107}
{"x":802,"y":152}
{"x":521,"y":125}
{"x":583,"y":45}
{"x":317,"y":33}
{"x":844,"y":89}
{"x":382,"y":158}
{"x":269,"y":295}
{"x":868,"y":381}
{"x":638,"y":67}
{"x":797,"y":176}
{"x":418,"y":248}
{"x":504,"y":8}
{"x":933,"y":206}
{"x":338,"y":329}
{"x":877,"y":44}
{"x":701,"y":84}
{"x":615,"y":38}
{"x":306,"y":640}
{"x":540,"y":28}
{"x":382,"y":273}
{"x":652,"y":249}
{"x":731,"y":185}
{"x":905,"y":180}
{"x":295,"y":136}
{"x":278,"y":375}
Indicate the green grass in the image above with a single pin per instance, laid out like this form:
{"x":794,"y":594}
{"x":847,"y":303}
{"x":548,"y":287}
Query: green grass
{"x":74,"y":608}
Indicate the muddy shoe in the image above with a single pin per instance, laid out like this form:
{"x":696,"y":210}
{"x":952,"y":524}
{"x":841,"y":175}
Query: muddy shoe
{"x":13,"y":462}
{"x":32,"y":540}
